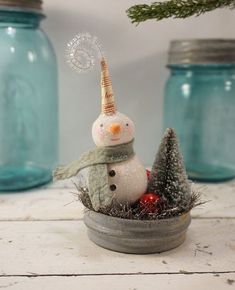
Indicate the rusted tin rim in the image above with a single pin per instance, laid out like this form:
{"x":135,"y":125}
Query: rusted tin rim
{"x":136,"y":236}
{"x":23,"y":4}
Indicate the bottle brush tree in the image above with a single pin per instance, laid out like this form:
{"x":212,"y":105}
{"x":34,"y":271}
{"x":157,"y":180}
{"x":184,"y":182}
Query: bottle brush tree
{"x":168,"y":175}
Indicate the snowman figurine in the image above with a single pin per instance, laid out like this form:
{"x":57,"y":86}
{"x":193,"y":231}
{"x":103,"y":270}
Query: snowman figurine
{"x":114,"y":170}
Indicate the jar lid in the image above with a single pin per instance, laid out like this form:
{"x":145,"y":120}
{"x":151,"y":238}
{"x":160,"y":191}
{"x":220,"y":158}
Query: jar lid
{"x":202,"y":51}
{"x":25,"y":4}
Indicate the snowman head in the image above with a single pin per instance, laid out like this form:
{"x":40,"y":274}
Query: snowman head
{"x":113,"y":129}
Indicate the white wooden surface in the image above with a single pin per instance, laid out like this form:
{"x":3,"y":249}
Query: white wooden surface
{"x":43,"y":245}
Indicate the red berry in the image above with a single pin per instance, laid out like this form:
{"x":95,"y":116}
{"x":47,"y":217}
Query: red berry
{"x":151,"y":202}
{"x":148,"y":172}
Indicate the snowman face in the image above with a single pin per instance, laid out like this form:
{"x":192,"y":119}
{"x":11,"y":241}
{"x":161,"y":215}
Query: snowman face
{"x":111,"y":130}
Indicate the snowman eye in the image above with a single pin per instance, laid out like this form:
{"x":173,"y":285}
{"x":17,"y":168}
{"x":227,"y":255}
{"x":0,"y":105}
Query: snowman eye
{"x":101,"y":125}
{"x":127,"y":124}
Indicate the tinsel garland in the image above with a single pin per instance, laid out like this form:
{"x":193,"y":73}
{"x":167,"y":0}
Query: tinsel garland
{"x":136,"y":212}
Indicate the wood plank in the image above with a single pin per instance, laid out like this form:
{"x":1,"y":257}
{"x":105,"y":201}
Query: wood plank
{"x":62,"y":247}
{"x":57,"y":204}
{"x":220,"y":197}
{"x":41,"y":204}
{"x":137,"y":282}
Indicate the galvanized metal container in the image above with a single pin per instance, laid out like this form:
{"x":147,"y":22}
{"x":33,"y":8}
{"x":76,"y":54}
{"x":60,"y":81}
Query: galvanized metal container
{"x":136,"y":236}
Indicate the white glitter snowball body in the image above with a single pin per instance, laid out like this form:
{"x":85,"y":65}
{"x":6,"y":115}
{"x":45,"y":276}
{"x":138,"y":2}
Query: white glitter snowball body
{"x":127,"y":179}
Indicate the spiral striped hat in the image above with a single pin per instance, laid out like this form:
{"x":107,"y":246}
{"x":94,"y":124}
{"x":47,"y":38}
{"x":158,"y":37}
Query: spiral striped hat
{"x":108,"y":105}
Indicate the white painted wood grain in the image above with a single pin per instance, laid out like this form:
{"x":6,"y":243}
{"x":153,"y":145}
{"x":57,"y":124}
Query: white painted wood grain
{"x":62,"y":247}
{"x":220,"y":197}
{"x":41,"y":204}
{"x":120,"y":282}
{"x":59,"y":203}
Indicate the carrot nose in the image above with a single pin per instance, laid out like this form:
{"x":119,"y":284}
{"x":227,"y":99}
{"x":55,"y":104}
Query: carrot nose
{"x":115,"y":128}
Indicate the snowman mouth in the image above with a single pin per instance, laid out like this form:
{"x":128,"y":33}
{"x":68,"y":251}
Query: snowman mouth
{"x":115,"y":139}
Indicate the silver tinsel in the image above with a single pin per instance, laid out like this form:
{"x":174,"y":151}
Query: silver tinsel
{"x":136,"y":211}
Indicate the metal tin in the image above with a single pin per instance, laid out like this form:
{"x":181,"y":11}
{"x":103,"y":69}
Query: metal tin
{"x":202,"y":51}
{"x":136,"y":236}
{"x":26,"y":4}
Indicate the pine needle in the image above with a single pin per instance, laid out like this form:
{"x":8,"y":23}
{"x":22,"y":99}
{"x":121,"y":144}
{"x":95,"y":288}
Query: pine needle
{"x":175,"y":9}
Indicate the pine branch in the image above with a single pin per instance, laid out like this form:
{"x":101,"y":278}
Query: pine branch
{"x":175,"y":9}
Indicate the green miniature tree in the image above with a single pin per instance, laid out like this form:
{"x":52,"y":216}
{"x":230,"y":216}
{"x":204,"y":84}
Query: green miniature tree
{"x":175,"y":9}
{"x":168,"y":176}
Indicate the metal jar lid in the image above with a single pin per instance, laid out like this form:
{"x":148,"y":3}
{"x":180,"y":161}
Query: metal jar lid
{"x":22,"y":4}
{"x":202,"y":51}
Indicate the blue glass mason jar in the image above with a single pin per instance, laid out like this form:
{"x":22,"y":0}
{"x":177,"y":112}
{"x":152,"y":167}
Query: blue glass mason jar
{"x":28,"y":97}
{"x":200,"y":105}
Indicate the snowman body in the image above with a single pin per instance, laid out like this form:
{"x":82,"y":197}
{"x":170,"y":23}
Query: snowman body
{"x":127,"y":180}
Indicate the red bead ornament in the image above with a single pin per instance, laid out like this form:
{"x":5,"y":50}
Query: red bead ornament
{"x":148,"y":172}
{"x":151,"y":202}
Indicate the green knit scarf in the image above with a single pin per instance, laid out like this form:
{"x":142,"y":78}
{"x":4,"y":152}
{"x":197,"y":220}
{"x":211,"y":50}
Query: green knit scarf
{"x":97,"y":160}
